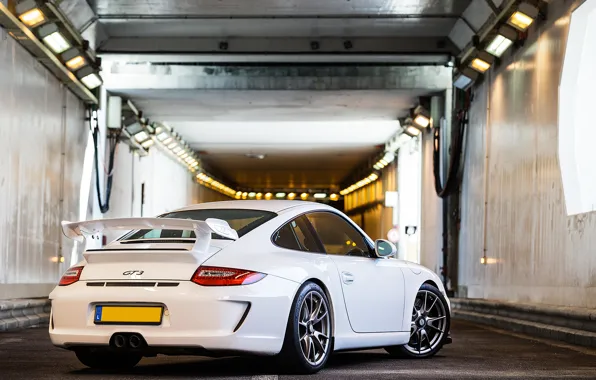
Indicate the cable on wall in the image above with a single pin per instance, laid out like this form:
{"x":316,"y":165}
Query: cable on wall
{"x":112,"y":140}
{"x":456,"y":144}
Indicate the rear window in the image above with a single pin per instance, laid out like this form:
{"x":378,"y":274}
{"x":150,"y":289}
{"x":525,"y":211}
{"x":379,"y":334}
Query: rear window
{"x":243,"y":221}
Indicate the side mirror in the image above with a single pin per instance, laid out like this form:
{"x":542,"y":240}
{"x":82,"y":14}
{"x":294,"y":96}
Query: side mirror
{"x":384,"y":248}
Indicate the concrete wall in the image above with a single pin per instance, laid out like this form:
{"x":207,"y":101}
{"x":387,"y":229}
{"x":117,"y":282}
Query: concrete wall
{"x":409,"y":188}
{"x":39,"y":121}
{"x":534,"y":252}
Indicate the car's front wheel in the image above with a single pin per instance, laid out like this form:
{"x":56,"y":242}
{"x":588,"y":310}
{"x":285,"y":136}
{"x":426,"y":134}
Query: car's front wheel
{"x":307,"y":343}
{"x":429,"y":327}
{"x":107,"y":360}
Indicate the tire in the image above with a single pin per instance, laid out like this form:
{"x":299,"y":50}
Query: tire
{"x":107,"y":360}
{"x":429,"y":328}
{"x":308,"y":340}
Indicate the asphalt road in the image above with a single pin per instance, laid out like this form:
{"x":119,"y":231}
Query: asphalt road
{"x":477,"y":352}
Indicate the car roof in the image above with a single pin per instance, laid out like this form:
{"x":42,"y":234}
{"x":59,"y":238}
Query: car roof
{"x":276,"y":206}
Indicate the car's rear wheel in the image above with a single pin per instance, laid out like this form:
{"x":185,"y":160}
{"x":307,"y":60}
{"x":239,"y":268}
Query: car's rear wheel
{"x":107,"y":360}
{"x":307,"y":343}
{"x":429,"y":326}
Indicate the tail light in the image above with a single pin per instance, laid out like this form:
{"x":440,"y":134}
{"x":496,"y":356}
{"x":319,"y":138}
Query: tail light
{"x":216,"y":276}
{"x":71,"y":276}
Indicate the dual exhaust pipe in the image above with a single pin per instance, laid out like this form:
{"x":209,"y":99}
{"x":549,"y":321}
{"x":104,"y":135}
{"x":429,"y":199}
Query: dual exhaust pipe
{"x":134,"y":341}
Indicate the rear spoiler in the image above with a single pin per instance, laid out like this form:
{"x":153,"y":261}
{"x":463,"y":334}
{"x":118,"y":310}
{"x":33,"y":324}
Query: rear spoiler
{"x":79,"y":231}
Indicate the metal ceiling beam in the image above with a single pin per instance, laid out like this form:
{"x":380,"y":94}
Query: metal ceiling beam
{"x":264,"y":45}
{"x":119,"y":76}
{"x":321,"y":58}
{"x":125,"y":17}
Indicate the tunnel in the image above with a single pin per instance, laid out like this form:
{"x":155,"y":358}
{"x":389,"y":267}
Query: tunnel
{"x":425,"y":148}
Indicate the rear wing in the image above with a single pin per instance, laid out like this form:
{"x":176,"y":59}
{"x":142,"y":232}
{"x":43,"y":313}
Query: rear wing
{"x":79,"y":231}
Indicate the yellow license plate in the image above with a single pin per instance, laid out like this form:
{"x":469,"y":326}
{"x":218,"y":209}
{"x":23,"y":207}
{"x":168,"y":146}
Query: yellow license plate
{"x":136,"y":315}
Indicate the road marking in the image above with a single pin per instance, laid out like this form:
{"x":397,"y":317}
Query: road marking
{"x":265,"y":377}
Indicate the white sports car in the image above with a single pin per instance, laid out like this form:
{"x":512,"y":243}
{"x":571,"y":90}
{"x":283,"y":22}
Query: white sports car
{"x":297,"y":280}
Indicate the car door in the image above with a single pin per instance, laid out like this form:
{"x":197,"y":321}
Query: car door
{"x":373,"y":288}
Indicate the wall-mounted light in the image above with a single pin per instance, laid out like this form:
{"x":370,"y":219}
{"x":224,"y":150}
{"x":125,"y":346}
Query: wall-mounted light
{"x":482,"y":62}
{"x":523,"y":16}
{"x":51,"y":35}
{"x":280,"y":195}
{"x":89,"y":77}
{"x":320,"y":195}
{"x":268,"y":196}
{"x":30,"y":13}
{"x":304,"y":196}
{"x":412,"y":131}
{"x":421,"y":117}
{"x":387,"y":158}
{"x":501,"y":41}
{"x":363,"y":182}
{"x":74,"y":59}
{"x":334,"y":197}
{"x":141,"y":136}
{"x":465,"y":78}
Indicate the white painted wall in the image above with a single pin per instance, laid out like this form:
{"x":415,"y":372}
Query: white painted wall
{"x":37,"y":188}
{"x":409,"y":190}
{"x":431,"y":230}
{"x":536,"y":253}
{"x":576,"y":115}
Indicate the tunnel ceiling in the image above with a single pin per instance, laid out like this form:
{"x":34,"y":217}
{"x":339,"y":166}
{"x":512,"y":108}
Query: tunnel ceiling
{"x":310,"y":138}
{"x":163,"y":55}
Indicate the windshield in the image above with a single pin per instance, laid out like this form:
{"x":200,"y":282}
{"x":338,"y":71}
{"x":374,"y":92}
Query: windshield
{"x":243,"y":221}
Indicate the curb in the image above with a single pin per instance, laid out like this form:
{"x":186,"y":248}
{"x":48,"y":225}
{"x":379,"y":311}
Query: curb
{"x":24,"y":313}
{"x":571,"y":325}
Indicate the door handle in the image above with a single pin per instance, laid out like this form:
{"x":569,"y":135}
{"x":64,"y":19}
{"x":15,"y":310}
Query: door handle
{"x":347,"y":277}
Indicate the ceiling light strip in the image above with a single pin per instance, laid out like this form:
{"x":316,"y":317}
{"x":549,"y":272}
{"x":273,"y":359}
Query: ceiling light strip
{"x":363,"y":182}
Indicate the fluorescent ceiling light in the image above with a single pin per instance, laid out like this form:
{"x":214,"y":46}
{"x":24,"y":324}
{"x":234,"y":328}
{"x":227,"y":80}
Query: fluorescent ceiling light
{"x":141,"y":136}
{"x":280,"y":195}
{"x":480,"y":65}
{"x":502,"y":41}
{"x":162,"y":136}
{"x":412,"y":130}
{"x":74,"y":59}
{"x":33,"y":18}
{"x":523,"y":17}
{"x":388,"y":157}
{"x":89,"y":77}
{"x":51,"y":36}
{"x":422,"y":121}
{"x":172,"y":145}
{"x":465,"y":78}
{"x":30,"y":14}
{"x":498,"y":45}
{"x":320,"y":195}
{"x":147,"y":144}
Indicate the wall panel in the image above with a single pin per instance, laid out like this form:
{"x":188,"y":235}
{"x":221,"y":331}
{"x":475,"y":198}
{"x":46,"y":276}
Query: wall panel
{"x":534,"y":252}
{"x":39,"y":120}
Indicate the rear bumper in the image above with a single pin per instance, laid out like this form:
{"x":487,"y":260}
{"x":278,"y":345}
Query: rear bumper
{"x":249,"y":318}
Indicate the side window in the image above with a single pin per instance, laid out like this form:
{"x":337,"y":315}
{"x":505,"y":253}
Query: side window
{"x":296,"y":235}
{"x":338,"y":236}
{"x":285,"y":238}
